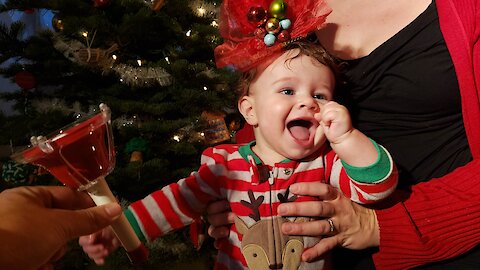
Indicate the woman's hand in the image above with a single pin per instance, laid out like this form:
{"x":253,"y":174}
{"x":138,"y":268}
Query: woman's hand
{"x":354,"y":226}
{"x":37,"y":222}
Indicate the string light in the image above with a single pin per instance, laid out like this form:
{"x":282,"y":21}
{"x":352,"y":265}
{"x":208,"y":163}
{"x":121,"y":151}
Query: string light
{"x":176,"y":138}
{"x":189,"y":32}
{"x":114,"y":57}
{"x":139,"y":62}
{"x":214,"y":24}
{"x":166,"y":59}
{"x":203,"y":8}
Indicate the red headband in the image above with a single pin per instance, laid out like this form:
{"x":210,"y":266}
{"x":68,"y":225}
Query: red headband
{"x":244,"y":25}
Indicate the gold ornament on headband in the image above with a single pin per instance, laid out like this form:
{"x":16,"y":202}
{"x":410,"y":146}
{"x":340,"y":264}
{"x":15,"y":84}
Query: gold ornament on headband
{"x":271,"y":28}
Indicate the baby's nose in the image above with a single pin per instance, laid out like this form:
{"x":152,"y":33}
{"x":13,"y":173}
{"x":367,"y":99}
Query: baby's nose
{"x":309,"y":103}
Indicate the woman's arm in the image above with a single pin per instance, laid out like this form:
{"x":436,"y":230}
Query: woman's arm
{"x":439,"y":220}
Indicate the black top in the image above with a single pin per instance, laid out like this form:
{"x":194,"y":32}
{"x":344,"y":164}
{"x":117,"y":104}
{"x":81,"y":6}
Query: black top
{"x":405,"y":96}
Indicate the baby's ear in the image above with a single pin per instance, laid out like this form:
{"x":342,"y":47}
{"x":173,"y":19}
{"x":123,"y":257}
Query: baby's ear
{"x":245,"y":106}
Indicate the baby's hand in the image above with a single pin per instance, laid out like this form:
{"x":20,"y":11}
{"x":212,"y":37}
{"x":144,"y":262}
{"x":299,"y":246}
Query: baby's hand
{"x":99,"y":245}
{"x":335,"y":121}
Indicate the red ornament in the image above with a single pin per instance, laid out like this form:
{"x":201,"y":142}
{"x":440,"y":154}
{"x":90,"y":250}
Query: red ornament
{"x":101,"y":3}
{"x":260,"y":33}
{"x":283,"y":36}
{"x":25,"y":80}
{"x":257,"y":15}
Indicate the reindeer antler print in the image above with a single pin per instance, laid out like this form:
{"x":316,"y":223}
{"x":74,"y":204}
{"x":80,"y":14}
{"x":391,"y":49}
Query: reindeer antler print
{"x":284,"y":198}
{"x":254,"y":205}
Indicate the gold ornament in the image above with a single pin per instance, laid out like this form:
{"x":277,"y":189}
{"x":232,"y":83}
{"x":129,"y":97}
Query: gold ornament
{"x":273,"y":26}
{"x":96,"y":57}
{"x":57,"y":23}
{"x":216,"y":130}
{"x":136,"y":156}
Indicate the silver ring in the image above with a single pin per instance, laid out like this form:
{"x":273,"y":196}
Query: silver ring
{"x":332,"y":226}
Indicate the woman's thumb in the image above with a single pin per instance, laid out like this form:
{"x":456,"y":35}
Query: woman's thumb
{"x":86,"y":221}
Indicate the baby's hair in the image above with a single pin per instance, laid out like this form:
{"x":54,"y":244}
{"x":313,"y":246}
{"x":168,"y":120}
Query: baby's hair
{"x":307,"y":48}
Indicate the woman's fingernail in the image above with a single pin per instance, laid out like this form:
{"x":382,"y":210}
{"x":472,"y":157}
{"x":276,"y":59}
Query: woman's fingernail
{"x":305,"y":258}
{"x":293,"y":188}
{"x":113,"y":209}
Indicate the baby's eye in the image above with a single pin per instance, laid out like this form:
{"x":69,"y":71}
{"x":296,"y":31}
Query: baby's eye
{"x":321,"y":97}
{"x":287,"y":92}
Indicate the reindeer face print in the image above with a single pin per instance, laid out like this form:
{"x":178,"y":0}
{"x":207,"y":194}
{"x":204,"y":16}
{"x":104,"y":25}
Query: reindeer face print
{"x":263,"y":244}
{"x":264,"y":247}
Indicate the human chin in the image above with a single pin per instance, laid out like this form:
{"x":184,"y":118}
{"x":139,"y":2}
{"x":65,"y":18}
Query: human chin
{"x":300,"y":153}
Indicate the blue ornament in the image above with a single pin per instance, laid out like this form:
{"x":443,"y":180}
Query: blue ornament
{"x":285,"y":23}
{"x":230,"y":68}
{"x":269,"y":39}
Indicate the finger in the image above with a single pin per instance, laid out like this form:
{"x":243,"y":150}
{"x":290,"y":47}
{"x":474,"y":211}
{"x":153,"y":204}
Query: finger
{"x":87,"y":221}
{"x":96,"y":252}
{"x":316,"y":189}
{"x":311,"y":228}
{"x":221,"y":219}
{"x":218,"y":207}
{"x":221,"y":243}
{"x":218,"y":232}
{"x":306,"y":209}
{"x":100,"y":261}
{"x":322,"y":247}
{"x":87,"y":239}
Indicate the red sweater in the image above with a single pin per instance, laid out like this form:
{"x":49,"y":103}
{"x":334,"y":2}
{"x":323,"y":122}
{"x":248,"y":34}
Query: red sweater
{"x":441,"y":218}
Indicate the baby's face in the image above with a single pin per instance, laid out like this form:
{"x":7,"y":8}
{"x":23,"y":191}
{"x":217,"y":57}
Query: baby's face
{"x":287,"y":97}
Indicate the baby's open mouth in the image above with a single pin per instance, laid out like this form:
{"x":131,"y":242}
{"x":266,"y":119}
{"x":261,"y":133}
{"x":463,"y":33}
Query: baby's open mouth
{"x":300,"y":129}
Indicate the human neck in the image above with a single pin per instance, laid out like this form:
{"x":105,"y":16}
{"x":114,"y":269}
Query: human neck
{"x":357,"y":27}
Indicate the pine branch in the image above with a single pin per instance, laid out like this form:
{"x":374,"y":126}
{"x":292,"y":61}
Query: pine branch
{"x":10,"y":44}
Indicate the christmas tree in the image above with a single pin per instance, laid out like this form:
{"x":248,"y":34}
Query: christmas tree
{"x":152,"y":63}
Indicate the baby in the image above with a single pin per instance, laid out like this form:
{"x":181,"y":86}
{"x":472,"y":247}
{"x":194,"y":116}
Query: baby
{"x":301,"y":135}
